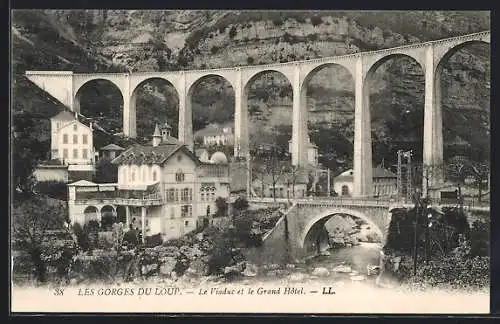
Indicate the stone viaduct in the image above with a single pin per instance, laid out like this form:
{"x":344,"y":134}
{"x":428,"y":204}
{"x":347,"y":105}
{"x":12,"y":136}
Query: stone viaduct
{"x":431,"y":56}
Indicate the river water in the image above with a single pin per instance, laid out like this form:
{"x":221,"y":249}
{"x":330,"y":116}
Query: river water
{"x":340,"y":265}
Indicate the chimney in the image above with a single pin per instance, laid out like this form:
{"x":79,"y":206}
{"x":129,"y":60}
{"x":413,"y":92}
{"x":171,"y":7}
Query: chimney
{"x":156,"y":136}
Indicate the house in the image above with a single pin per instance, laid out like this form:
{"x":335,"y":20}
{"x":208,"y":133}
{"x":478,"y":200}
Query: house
{"x":71,"y":140}
{"x":162,"y":188}
{"x":384,"y":182}
{"x":216,"y":135}
{"x":285,"y":185}
{"x":72,"y":152}
{"x":110,"y":151}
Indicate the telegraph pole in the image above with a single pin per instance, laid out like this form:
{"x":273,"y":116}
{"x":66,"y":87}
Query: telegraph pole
{"x":399,"y":182}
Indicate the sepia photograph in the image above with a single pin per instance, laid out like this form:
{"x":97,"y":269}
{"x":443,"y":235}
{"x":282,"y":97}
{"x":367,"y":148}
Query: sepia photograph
{"x":250,"y":161}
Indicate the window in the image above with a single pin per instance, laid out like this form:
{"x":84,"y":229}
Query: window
{"x":84,"y":138}
{"x":75,"y":139}
{"x":187,"y":194}
{"x":202,"y":196}
{"x":345,"y":190}
{"x":170,"y":195}
{"x":172,"y":212}
{"x":65,"y":153}
{"x":179,"y":176}
{"x":154,"y":175}
{"x":186,"y":211}
{"x":84,"y":153}
{"x":186,"y":223}
{"x":65,"y":138}
{"x":133,"y":176}
{"x":75,"y":128}
{"x":75,"y":153}
{"x":176,"y":195}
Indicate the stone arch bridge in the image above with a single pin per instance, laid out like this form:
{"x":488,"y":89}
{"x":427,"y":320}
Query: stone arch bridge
{"x":303,"y":221}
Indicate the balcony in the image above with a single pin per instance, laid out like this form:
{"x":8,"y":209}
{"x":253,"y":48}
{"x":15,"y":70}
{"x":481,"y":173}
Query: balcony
{"x":121,"y":197}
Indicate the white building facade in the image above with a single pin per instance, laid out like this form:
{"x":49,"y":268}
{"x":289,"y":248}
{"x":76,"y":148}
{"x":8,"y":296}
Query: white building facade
{"x":162,"y":188}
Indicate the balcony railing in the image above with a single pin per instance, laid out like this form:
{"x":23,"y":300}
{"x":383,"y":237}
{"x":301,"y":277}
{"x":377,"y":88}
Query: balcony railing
{"x":122,"y":197}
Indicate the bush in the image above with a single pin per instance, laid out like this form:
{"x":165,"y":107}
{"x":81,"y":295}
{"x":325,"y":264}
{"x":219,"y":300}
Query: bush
{"x":107,"y":221}
{"x":53,"y":189}
{"x":480,"y":238}
{"x":131,"y":239}
{"x":153,"y":240}
{"x":232,"y":32}
{"x":453,"y":272}
{"x":250,"y":60}
{"x":214,"y":49}
{"x":316,"y":20}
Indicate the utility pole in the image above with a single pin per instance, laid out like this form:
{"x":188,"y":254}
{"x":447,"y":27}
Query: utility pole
{"x":408,"y":174}
{"x":399,"y":174}
{"x":415,"y":222}
{"x":328,"y":182}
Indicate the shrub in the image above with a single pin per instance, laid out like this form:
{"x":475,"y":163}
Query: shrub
{"x":232,"y":32}
{"x":131,"y":239}
{"x":214,"y":49}
{"x":107,"y":221}
{"x":278,"y":21}
{"x":53,"y":189}
{"x":480,"y":238}
{"x":316,"y":20}
{"x":153,"y":240}
{"x":250,"y":60}
{"x":82,"y":237}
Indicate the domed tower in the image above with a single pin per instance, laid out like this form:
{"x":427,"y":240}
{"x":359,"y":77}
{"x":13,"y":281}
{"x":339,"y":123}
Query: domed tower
{"x":218,"y":158}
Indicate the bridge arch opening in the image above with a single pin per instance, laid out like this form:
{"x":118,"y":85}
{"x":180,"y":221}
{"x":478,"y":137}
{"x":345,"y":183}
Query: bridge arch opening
{"x":317,"y":233}
{"x":211,"y":99}
{"x":394,"y":91}
{"x":462,"y":94}
{"x":154,"y":101}
{"x":327,"y":93}
{"x":268,"y":97}
{"x":101,"y":100}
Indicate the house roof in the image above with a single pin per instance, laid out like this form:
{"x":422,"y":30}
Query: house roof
{"x":64,"y":115}
{"x":148,"y":154}
{"x":213,"y":129}
{"x":112,"y":147}
{"x":83,"y":183}
{"x":377,"y":172}
{"x":300,"y":176}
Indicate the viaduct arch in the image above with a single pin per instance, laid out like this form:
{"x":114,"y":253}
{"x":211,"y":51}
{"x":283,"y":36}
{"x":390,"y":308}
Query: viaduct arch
{"x":64,"y":85}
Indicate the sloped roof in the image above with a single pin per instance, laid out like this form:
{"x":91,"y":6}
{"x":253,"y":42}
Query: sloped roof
{"x":64,"y":115}
{"x":112,"y":147}
{"x":377,"y":172}
{"x":301,"y":176}
{"x":214,"y":129}
{"x":169,"y":141}
{"x":148,"y":154}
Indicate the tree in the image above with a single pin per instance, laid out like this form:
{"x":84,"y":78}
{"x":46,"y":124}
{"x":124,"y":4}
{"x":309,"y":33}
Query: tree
{"x":221,"y":205}
{"x":32,"y":222}
{"x":106,"y":172}
{"x":458,"y":168}
{"x":481,"y":173}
